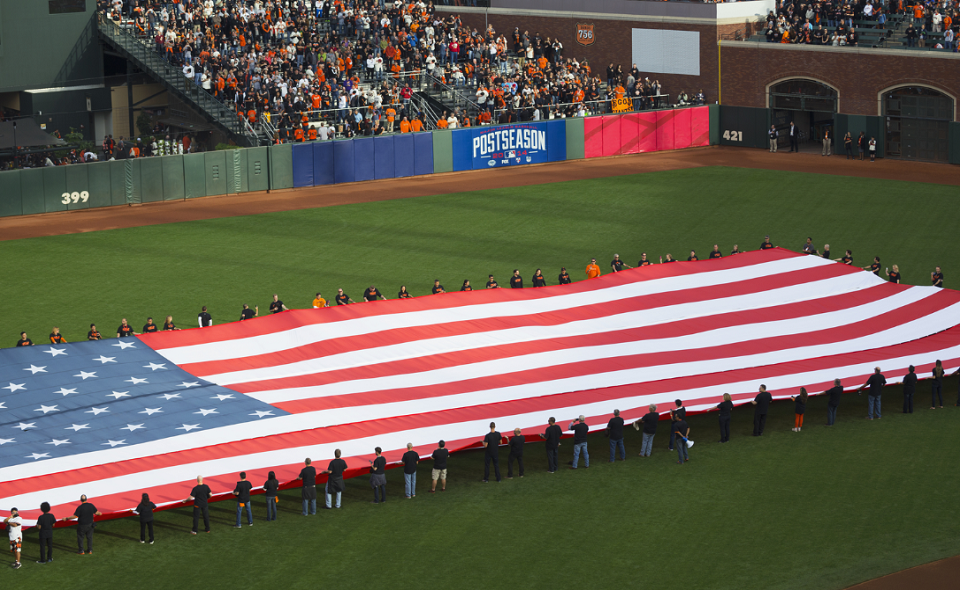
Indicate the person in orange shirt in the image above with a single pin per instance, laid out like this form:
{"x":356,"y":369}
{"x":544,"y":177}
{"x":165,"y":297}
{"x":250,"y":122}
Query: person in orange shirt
{"x":391,"y":116}
{"x":619,"y":91}
{"x":593,"y":270}
{"x":315,"y":101}
{"x":312,"y":134}
{"x":416,"y":125}
{"x":404,"y":126}
{"x":298,"y":134}
{"x":442,"y":123}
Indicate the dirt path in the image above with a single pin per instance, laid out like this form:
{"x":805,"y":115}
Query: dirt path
{"x":69,"y":222}
{"x":939,"y":574}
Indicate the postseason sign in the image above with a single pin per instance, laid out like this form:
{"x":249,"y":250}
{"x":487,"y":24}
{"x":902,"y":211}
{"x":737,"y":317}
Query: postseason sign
{"x":509,"y":146}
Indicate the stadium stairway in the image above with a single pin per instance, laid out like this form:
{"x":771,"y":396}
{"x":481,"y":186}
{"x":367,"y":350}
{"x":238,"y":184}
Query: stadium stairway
{"x":219,"y":114}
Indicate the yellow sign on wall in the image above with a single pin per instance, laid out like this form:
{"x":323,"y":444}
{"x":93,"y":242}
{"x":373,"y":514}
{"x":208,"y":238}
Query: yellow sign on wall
{"x":622,"y":105}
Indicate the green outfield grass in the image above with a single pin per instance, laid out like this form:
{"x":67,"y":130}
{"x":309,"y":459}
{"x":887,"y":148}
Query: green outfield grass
{"x":823,"y":508}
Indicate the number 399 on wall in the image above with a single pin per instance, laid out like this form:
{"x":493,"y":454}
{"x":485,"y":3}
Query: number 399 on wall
{"x":74,"y":197}
{"x":733,"y":135}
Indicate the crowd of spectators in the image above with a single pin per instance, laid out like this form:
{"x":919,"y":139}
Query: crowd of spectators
{"x":840,"y":22}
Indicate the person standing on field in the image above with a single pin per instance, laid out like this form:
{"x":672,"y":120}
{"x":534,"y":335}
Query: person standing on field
{"x":593,"y":270}
{"x":491,"y":442}
{"x":827,"y":144}
{"x":762,"y":403}
{"x":145,"y":511}
{"x":516,"y":453}
{"x":410,"y":460}
{"x":440,"y":456}
{"x":800,"y":406}
{"x":378,"y":477}
{"x":615,"y":434}
{"x":726,"y":410}
{"x":772,"y":135}
{"x":909,"y":387}
{"x":875,"y":383}
{"x":580,"y":430}
{"x":552,"y":438}
{"x":15,"y":533}
{"x":834,"y":401}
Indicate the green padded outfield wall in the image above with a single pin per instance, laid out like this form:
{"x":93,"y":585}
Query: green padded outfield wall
{"x":239,"y":182}
{"x":77,"y":190}
{"x":99,"y":181}
{"x":54,"y":185}
{"x":172,"y":168}
{"x":215,"y":172}
{"x":954,"y":139}
{"x":281,"y":166}
{"x":194,"y":181}
{"x":31,"y":191}
{"x":258,"y":178}
{"x":714,"y":124}
{"x":744,"y":126}
{"x":442,"y":151}
{"x":574,"y":132}
{"x":151,"y":179}
{"x":10,"y":203}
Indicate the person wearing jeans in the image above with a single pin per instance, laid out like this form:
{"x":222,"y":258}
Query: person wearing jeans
{"x":410,"y":460}
{"x":682,"y":432}
{"x":334,"y":484}
{"x":580,"y":430}
{"x":615,"y":433}
{"x":833,"y":402}
{"x":378,"y":477}
{"x":309,"y":491}
{"x":875,"y":383}
{"x":270,"y":488}
{"x":242,"y":492}
{"x":649,"y":421}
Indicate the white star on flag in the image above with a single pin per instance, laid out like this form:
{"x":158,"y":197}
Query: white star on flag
{"x":55,"y":442}
{"x":132,"y":427}
{"x":114,"y":443}
{"x":35,"y":369}
{"x":36,"y":456}
{"x":124,"y":345}
{"x":189,"y":384}
{"x":188,"y":427}
{"x":205,"y":412}
{"x":4,"y":441}
{"x":14,"y":387}
{"x":46,"y":409}
{"x":169,"y":396}
{"x":77,"y":427}
{"x":96,"y":411}
{"x":134,"y":380}
{"x":119,"y":394}
{"x":155,"y":366}
{"x":26,"y":425}
{"x":150,"y":411}
{"x":3,"y":406}
{"x":222,"y":396}
{"x":56,"y":352}
{"x":106,"y":359}
{"x":65,"y":391}
{"x":83,"y":375}
{"x":262,"y":413}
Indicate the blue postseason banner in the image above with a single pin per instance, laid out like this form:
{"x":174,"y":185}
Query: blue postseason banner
{"x":478,"y":148}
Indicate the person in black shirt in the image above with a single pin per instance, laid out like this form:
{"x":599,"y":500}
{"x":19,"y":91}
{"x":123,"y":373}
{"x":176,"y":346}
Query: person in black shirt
{"x":491,"y":442}
{"x":875,"y":383}
{"x":169,"y":325}
{"x":766,"y":245}
{"x":834,"y":392}
{"x":125,"y":330}
{"x":936,"y":277}
{"x":650,"y":421}
{"x":643,"y":260}
{"x":669,"y":258}
{"x":270,"y":489}
{"x":200,"y":496}
{"x":466,"y":285}
{"x":681,"y":431}
{"x":492,"y":283}
{"x":45,"y":526}
{"x":893,"y":277}
{"x":564,"y":276}
{"x":516,"y":452}
{"x":909,"y":387}
{"x":847,"y":258}
{"x":93,"y":334}
{"x":440,"y":456}
{"x":762,"y":403}
{"x":84,"y":515}
{"x":516,"y":281}
{"x":580,"y":430}
{"x":615,"y":434}
{"x":552,"y":437}
{"x":678,"y":413}
{"x":342,"y":298}
{"x":875,"y":267}
{"x":204,"y":318}
{"x":242,"y":492}
{"x":410,"y":460}
{"x":248,"y":314}
{"x":936,"y":386}
{"x":715,"y":253}
{"x":276,"y":306}
{"x":308,"y":493}
{"x":24,"y":341}
{"x":403,"y":294}
{"x":726,"y":410}
{"x":378,"y":477}
{"x":736,"y":250}
{"x":538,"y":279}
{"x":826,"y":251}
{"x":150,"y":326}
{"x":800,"y":406}
{"x":371,"y":294}
{"x":335,"y":480}
{"x":145,"y":511}
{"x":437,"y":287}
{"x":56,"y":337}
{"x":616,"y":264}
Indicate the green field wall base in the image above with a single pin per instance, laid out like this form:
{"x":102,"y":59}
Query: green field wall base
{"x":575,"y":148}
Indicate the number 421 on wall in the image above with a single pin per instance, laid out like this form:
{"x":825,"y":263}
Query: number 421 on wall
{"x":733,"y":135}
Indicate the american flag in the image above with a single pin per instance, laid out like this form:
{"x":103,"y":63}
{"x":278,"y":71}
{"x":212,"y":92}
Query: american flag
{"x":115,"y":418}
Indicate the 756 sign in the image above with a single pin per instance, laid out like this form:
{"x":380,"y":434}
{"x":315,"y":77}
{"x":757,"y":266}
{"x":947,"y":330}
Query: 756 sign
{"x":585,"y":34}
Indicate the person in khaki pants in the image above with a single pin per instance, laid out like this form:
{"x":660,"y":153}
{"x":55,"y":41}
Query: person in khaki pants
{"x":827,"y":144}
{"x":773,"y":134}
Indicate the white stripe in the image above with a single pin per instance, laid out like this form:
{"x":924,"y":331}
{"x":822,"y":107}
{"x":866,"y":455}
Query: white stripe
{"x":636,"y":407}
{"x":681,"y":344}
{"x":304,"y":335}
{"x":624,"y":321}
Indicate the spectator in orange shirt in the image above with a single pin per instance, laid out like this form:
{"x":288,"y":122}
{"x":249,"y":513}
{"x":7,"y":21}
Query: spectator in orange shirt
{"x":593,"y":270}
{"x":442,"y":122}
{"x":391,"y":115}
{"x":404,"y":126}
{"x":416,"y":125}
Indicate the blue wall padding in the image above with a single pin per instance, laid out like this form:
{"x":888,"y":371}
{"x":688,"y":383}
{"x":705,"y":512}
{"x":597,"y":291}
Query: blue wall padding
{"x":323,"y":163}
{"x":343,"y":164}
{"x":403,"y":153}
{"x":384,"y":164}
{"x":423,"y":154}
{"x":302,"y":165}
{"x":363,"y":163}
